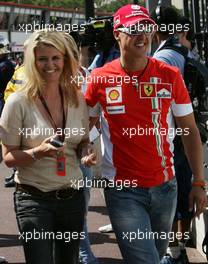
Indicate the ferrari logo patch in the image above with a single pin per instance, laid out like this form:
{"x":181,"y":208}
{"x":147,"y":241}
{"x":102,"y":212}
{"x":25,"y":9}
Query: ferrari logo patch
{"x":148,"y":89}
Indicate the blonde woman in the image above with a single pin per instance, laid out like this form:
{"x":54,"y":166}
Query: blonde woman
{"x":49,"y":204}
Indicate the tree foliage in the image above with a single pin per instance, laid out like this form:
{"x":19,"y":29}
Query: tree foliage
{"x":52,"y":3}
{"x":112,"y":7}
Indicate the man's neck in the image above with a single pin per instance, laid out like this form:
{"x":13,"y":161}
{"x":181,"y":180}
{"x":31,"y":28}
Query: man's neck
{"x":131,"y":65}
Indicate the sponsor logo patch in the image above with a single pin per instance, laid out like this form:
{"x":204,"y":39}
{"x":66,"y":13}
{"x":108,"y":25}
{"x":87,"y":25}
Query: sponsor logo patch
{"x":164,"y":90}
{"x":147,"y":90}
{"x":113,"y":110}
{"x":113,"y":95}
{"x":135,"y":7}
{"x":117,"y":20}
{"x":159,"y":90}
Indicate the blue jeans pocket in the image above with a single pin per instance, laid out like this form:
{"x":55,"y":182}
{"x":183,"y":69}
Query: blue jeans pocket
{"x":167,"y":187}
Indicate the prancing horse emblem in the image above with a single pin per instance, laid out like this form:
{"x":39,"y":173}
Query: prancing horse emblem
{"x":148,"y":89}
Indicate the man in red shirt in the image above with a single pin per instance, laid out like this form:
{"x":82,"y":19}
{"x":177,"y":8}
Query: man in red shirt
{"x":140,"y":98}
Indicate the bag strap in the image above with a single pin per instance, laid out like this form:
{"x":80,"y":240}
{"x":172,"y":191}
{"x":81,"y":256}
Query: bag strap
{"x":172,"y":43}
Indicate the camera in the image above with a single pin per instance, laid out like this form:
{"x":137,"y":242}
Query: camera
{"x":97,"y":34}
{"x":56,"y":143}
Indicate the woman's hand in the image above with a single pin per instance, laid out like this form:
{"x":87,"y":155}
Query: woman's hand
{"x":45,"y":149}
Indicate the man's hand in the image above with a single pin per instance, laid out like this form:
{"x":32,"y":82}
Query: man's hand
{"x":198,"y":198}
{"x":90,"y":159}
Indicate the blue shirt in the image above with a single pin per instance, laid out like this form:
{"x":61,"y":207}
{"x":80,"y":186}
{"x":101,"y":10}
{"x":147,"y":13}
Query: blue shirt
{"x":170,"y":57}
{"x":98,"y":60}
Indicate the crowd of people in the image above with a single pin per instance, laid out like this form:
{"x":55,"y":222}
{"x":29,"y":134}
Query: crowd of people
{"x":128,"y":89}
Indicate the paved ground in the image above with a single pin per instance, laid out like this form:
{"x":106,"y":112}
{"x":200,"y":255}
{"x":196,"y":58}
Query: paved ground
{"x":104,"y":245}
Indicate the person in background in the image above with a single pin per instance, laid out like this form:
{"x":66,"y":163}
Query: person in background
{"x":13,"y":85}
{"x":143,"y":164}
{"x":19,"y":61}
{"x":47,"y":162}
{"x":108,"y":52}
{"x":187,"y":38}
{"x":6,"y":72}
{"x":86,"y":255}
{"x":169,"y":15}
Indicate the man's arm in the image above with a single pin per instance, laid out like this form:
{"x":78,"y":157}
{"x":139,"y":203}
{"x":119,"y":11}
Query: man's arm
{"x":193,"y":149}
{"x":10,"y":88}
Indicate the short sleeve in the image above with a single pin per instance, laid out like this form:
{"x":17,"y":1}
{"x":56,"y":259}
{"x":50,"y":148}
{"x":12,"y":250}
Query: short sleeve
{"x":91,"y":95}
{"x":85,"y":119}
{"x":95,"y":111}
{"x":11,"y":121}
{"x":181,"y":105}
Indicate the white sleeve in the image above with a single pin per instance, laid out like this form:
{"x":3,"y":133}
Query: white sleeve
{"x":95,"y":111}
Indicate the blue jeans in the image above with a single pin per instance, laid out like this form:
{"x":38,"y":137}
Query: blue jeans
{"x":142,"y":220}
{"x":85,"y":253}
{"x":47,"y":226}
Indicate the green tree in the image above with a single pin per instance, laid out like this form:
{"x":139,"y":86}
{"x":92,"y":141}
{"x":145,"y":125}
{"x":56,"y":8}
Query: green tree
{"x":52,"y":3}
{"x":114,"y":5}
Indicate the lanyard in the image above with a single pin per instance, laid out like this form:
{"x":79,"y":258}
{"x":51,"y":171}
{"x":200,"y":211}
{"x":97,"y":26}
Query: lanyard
{"x":51,"y":118}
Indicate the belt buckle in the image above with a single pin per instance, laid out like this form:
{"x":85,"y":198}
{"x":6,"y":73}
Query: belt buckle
{"x":62,"y":195}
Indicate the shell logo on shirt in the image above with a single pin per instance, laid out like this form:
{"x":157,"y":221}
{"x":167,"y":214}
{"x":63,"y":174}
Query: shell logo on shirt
{"x":113,"y":95}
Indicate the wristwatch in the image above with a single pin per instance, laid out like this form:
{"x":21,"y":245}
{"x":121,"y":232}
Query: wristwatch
{"x":33,"y":155}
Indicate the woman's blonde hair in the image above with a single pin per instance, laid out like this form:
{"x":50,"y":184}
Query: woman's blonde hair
{"x":34,"y":84}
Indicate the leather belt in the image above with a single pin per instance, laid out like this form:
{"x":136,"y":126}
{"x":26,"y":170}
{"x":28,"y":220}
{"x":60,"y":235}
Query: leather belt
{"x":61,"y":194}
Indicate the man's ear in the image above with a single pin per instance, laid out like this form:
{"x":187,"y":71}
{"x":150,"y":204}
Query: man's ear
{"x":116,"y":35}
{"x":185,"y":33}
{"x":155,"y":38}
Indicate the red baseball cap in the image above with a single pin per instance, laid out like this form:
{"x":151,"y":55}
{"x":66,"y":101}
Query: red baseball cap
{"x":129,"y":15}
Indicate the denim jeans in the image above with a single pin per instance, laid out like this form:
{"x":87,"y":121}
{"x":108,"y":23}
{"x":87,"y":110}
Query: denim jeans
{"x":142,"y":220}
{"x":47,"y":226}
{"x":85,"y":253}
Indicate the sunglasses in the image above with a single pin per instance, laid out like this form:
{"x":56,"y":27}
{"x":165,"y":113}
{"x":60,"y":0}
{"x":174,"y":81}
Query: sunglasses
{"x":137,"y":31}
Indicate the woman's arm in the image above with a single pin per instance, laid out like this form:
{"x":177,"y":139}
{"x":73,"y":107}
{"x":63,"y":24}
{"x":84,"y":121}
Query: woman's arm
{"x":14,"y":157}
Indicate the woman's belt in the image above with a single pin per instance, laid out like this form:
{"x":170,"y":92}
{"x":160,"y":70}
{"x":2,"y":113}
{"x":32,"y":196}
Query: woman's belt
{"x":61,"y":194}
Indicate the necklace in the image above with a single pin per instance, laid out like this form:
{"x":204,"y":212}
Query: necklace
{"x":136,"y":82}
